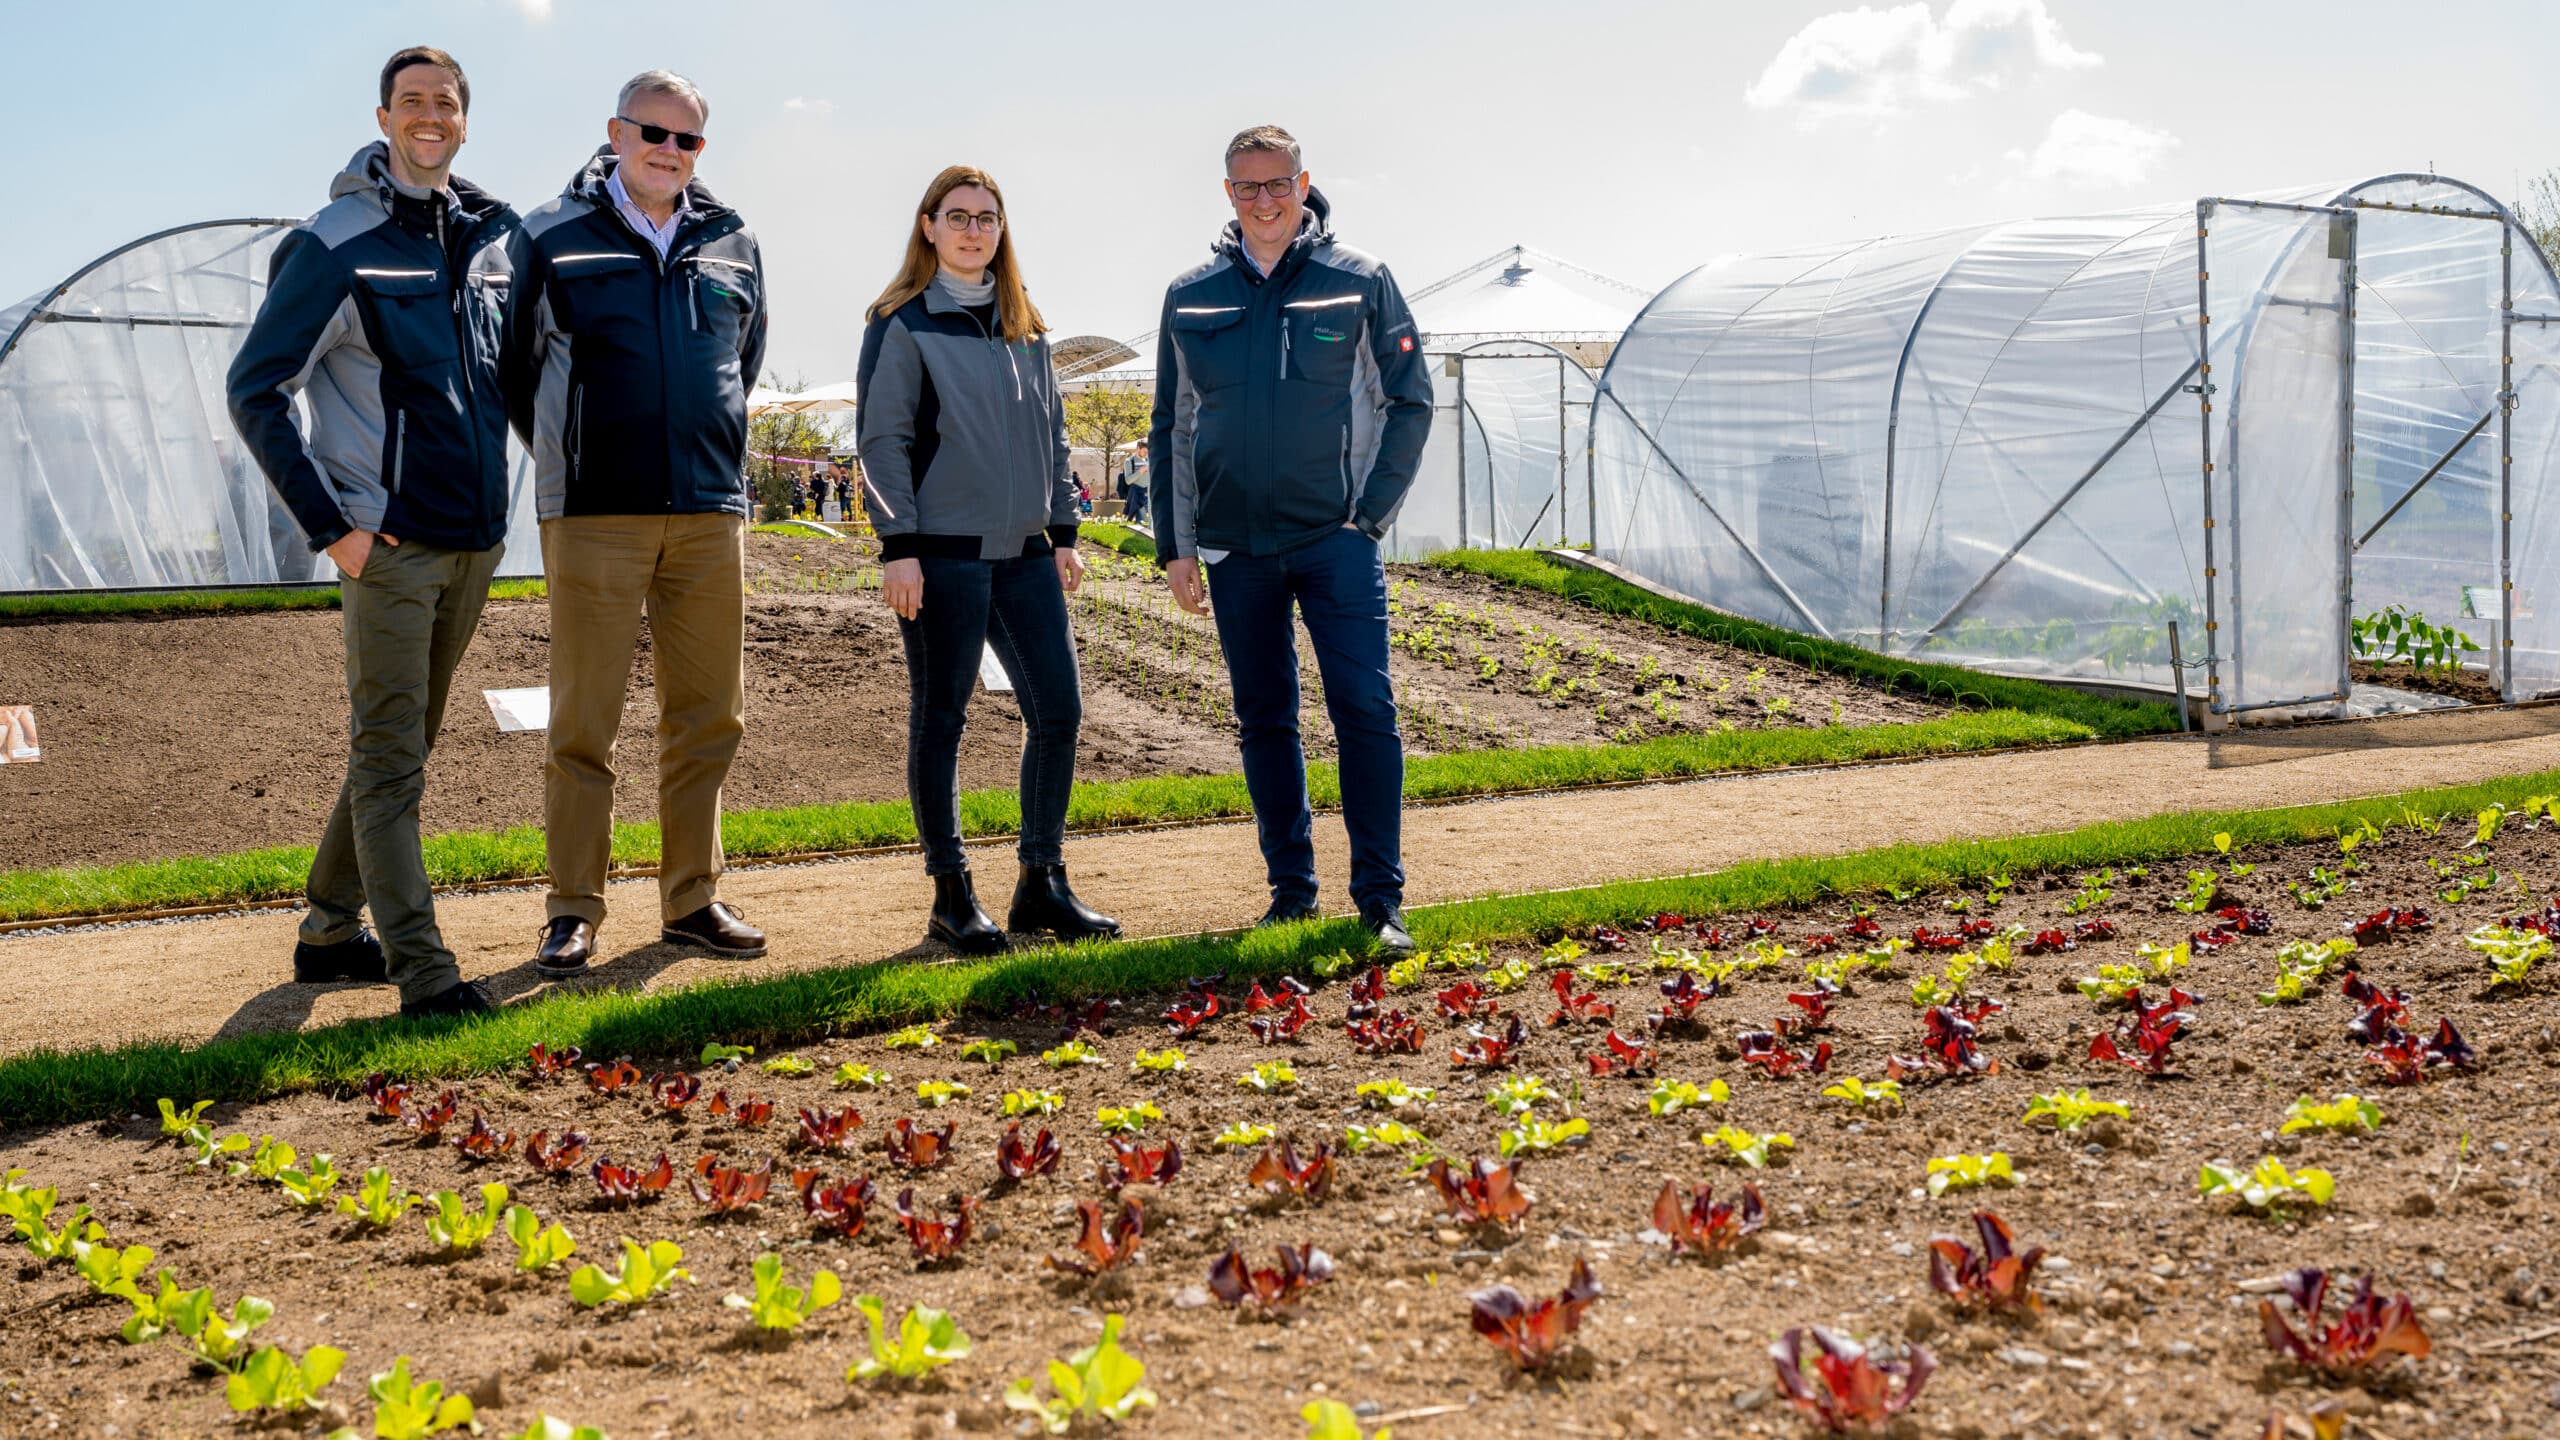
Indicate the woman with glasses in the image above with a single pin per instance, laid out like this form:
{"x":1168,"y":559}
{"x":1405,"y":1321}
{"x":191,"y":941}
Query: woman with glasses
{"x":964,"y":461}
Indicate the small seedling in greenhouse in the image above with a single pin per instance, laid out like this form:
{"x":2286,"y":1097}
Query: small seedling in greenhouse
{"x":455,"y":1229}
{"x":914,"y":1037}
{"x":2269,"y":1188}
{"x":2347,"y":1112}
{"x":854,"y":1073}
{"x":1127,"y":1119}
{"x":1244,"y":1132}
{"x":1360,"y":1139}
{"x":379,"y":1202}
{"x":646,"y":1271}
{"x":175,"y":1122}
{"x":1536,"y":1134}
{"x":928,"y":1339}
{"x":1393,"y":1094}
{"x":715,"y":1053}
{"x":538,"y":1247}
{"x":272,"y":1380}
{"x":1165,"y":1061}
{"x":1270,"y":1075}
{"x":1745,"y":1147}
{"x":794,"y":1065}
{"x":934,"y":1094}
{"x":1033,"y":1102}
{"x":1970,"y":1172}
{"x":404,"y":1409}
{"x":778,"y":1305}
{"x":2071,"y":1109}
{"x":1863,"y":1095}
{"x":1518,"y":1094}
{"x":310,"y":1184}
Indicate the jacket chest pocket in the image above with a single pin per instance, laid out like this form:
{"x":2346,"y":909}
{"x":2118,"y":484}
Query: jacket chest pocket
{"x":488,"y":310}
{"x":602,"y":294}
{"x":1321,"y":338}
{"x":1212,"y":345}
{"x":410,"y":315}
{"x":719,"y":296}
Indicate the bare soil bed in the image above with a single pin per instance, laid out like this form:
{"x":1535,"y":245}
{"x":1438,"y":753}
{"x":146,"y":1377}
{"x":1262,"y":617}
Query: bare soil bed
{"x":2149,"y":1325}
{"x":194,"y":735}
{"x":2472,"y":687}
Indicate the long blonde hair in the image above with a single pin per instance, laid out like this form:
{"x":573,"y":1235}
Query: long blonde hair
{"x":1015,"y":314}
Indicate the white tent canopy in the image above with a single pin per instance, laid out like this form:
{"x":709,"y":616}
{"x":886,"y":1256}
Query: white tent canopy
{"x":2031,"y":445}
{"x":835,"y":399}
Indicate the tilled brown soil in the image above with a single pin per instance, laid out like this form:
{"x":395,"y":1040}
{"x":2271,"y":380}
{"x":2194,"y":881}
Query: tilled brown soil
{"x":2149,"y":1326}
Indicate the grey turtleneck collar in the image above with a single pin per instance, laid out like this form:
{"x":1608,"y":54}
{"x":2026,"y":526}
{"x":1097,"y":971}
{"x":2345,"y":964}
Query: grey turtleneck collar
{"x":982,"y":293}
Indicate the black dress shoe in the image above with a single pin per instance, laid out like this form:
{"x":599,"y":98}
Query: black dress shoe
{"x":1387,"y":935}
{"x":958,"y":922}
{"x":465,"y":998}
{"x":1286,"y":912}
{"x":568,"y":943}
{"x":716,"y":928}
{"x":1042,"y":901}
{"x":359,"y":957}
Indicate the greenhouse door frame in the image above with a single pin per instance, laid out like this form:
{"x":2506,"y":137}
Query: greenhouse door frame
{"x":2342,"y":243}
{"x":1565,"y":365}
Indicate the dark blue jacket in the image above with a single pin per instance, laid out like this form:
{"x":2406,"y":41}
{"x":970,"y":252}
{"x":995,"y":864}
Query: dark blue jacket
{"x":1285,"y":405}
{"x":384,"y":310}
{"x":627,"y":375}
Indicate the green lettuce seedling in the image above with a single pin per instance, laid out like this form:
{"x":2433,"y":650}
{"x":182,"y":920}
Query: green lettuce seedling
{"x":853,"y":1072}
{"x":1968,"y":1172}
{"x":914,"y":1037}
{"x":379,"y":1202}
{"x":934,"y":1094}
{"x":1270,"y":1075}
{"x":1033,"y":1102}
{"x":1360,"y":1139}
{"x":779,"y":1306}
{"x":645,"y":1271}
{"x":153,"y":1308}
{"x":1746,"y":1148}
{"x":1536,"y":1134}
{"x":1861,"y":1094}
{"x":2071,"y":1109}
{"x":2269,"y":1189}
{"x":1101,"y":1380}
{"x":455,"y":1229}
{"x":1393,"y":1094}
{"x":219,"y":1342}
{"x":209,"y":1147}
{"x":31,"y":1211}
{"x":2512,"y":954}
{"x":308,"y":1185}
{"x":270,"y":1158}
{"x":1333,"y":1420}
{"x":1510,"y":975}
{"x":1669,"y":1097}
{"x":928,"y":1339}
{"x":991,"y":1052}
{"x":789,"y":1065}
{"x":537,"y":1248}
{"x":2347,"y":1112}
{"x":549,"y":1427}
{"x":1074,"y":1052}
{"x":273,"y":1380}
{"x":1159,"y":1061}
{"x":108,"y":1270}
{"x":175,"y":1122}
{"x":1127,"y":1119}
{"x":404,"y":1409}
{"x":715,"y":1053}
{"x":1408,"y":972}
{"x":1244,"y":1132}
{"x":2302,"y":965}
{"x":1518,"y":1094}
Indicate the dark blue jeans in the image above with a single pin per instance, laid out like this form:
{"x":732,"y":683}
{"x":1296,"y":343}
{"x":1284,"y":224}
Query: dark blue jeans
{"x":1015,"y":606}
{"x":1339,"y":587}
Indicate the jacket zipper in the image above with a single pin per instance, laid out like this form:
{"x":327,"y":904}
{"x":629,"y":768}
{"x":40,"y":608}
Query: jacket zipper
{"x":399,"y":451}
{"x":1016,"y":367}
{"x":693,"y":295}
{"x":577,"y":427}
{"x":1346,"y":468}
{"x":1284,"y":344}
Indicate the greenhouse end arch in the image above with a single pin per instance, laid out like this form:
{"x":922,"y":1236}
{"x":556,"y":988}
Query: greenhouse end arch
{"x":2031,"y":446}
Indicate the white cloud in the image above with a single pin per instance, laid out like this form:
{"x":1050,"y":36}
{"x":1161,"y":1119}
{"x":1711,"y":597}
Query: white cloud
{"x":1873,"y":63}
{"x":2094,"y":150}
{"x":534,"y":10}
{"x":802,"y":105}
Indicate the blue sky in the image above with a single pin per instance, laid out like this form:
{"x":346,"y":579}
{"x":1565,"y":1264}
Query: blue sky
{"x":1639,"y":140}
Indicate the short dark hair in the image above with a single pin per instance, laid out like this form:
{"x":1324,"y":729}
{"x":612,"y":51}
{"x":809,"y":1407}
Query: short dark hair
{"x":1269,"y":138}
{"x":425,"y":55}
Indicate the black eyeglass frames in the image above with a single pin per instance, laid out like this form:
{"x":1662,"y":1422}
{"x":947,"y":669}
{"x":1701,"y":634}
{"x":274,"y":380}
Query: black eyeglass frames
{"x":1280,"y":189}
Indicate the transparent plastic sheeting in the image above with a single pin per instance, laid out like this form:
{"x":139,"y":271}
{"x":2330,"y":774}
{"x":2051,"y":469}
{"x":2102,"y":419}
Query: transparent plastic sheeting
{"x":119,"y":467}
{"x":1980,"y":445}
{"x":1518,"y":436}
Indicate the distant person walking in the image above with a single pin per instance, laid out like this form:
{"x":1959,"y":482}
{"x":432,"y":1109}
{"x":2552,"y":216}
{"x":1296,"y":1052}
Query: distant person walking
{"x":964,"y":463}
{"x":1133,"y":483}
{"x":637,"y":329}
{"x":383,"y":312}
{"x":1291,"y":408}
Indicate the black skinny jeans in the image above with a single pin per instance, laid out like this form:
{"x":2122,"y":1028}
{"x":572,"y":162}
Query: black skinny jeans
{"x":1017,"y":607}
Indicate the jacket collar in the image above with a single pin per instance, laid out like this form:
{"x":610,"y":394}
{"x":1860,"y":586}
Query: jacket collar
{"x":588,"y":185}
{"x":368,"y":172}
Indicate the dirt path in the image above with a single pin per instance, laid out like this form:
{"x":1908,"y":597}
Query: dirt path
{"x":222,"y":976}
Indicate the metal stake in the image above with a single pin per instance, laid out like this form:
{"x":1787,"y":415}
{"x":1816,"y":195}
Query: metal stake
{"x":2178,"y":671}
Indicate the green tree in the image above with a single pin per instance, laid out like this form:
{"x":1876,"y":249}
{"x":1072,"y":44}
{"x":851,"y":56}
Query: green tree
{"x":1106,"y":420}
{"x":2540,"y":212}
{"x":774,"y":439}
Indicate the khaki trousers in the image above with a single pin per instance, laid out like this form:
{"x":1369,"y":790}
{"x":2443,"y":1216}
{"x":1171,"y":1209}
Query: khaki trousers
{"x":687,"y":574}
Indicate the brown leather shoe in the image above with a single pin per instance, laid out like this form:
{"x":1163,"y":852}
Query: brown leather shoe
{"x":716,"y":928}
{"x":568,"y":943}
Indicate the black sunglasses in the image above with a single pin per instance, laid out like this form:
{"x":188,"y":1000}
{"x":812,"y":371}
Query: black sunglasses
{"x":685,"y":140}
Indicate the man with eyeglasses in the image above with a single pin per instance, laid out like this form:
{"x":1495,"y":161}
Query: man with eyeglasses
{"x":637,"y":330}
{"x":1291,"y":408}
{"x":382,"y":311}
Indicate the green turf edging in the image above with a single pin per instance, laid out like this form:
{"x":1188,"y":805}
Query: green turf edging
{"x":1531,"y":570}
{"x":470,"y":857}
{"x":54,"y":1086}
{"x":796,"y":529}
{"x":111,"y":603}
{"x":1117,"y":537}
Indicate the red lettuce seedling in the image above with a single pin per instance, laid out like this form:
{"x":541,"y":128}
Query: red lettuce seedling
{"x":2212,"y":939}
{"x":2378,"y":1011}
{"x":674,"y":1092}
{"x":2243,"y":920}
{"x":2365,"y":1334}
{"x":1135,"y":1162}
{"x":1623,"y":1058}
{"x":546,"y":1063}
{"x":914,"y":1147}
{"x":2382,"y":924}
{"x":1864,"y":926}
{"x":552,"y":1159}
{"x":480,"y":1143}
{"x":1388,"y":1034}
{"x":1924,"y":938}
{"x":1370,"y":989}
{"x":1488,"y":1194}
{"x":612,"y":1079}
{"x":1761,"y":927}
{"x":623,"y":1186}
{"x":1761,"y":1048}
{"x":1284,"y":1026}
{"x":2050,"y":942}
{"x":1467,"y":999}
{"x":2000,"y":1277}
{"x":934,"y":1238}
{"x":1532,"y":1333}
{"x":1184,"y":1018}
{"x":1704,"y":1224}
{"x":1487,"y":1051}
{"x":386,"y":1096}
{"x":2405,"y":1059}
{"x":1946,"y":1050}
{"x":2088,"y":930}
{"x":1710,"y":938}
{"x":1856,"y":1389}
{"x":1093,"y":1015}
{"x":1682,"y":994}
{"x":1663,"y":922}
{"x":1280,"y":1173}
{"x":1017,"y":1161}
{"x":834,"y":1209}
{"x":1608,"y":941}
{"x":1570,"y":1007}
{"x":2143,"y":1042}
{"x":1822,"y":943}
{"x":1291,"y":988}
{"x":822,"y":1131}
{"x":429,"y":1117}
{"x":749,"y":1112}
{"x":1301,"y":1268}
{"x":1977,"y":929}
{"x":1106,"y":1242}
{"x":729,"y":1190}
{"x":1816,"y":1005}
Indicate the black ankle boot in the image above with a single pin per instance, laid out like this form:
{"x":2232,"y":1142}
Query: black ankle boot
{"x":1042,"y":901}
{"x":957,"y":920}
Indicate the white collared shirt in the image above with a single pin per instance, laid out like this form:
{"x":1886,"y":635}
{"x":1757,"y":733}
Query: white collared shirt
{"x":661,"y":236}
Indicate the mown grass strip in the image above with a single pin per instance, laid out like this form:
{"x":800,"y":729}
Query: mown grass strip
{"x":104,"y":604}
{"x":53,"y":1086}
{"x":1118,"y":537}
{"x":1531,"y":570}
{"x":794,"y":529}
{"x":469,"y":857}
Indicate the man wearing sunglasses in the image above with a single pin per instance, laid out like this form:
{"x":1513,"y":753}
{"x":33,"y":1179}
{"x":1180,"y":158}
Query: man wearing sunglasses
{"x":637,"y":330}
{"x":1291,"y":408}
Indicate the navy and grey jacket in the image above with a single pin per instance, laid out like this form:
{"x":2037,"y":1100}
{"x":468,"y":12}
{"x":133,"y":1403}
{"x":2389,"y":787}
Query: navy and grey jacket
{"x":964,"y":439}
{"x":384,"y":311}
{"x":627,"y":375}
{"x":1288,"y":404}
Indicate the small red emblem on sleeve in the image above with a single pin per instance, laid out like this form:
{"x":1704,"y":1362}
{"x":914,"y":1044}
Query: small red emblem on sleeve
{"x":1405,"y":345}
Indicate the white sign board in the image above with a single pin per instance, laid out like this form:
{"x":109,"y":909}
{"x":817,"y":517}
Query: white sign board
{"x":18,"y":735}
{"x":520,"y":710}
{"x":991,"y":671}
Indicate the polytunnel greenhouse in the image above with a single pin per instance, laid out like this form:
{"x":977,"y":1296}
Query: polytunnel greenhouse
{"x":119,"y":467}
{"x":2032,"y":446}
